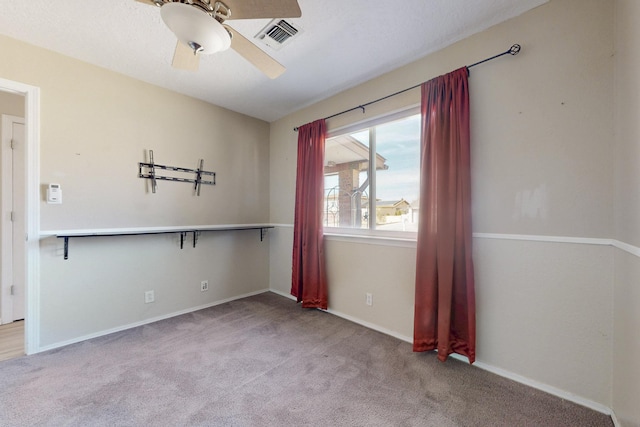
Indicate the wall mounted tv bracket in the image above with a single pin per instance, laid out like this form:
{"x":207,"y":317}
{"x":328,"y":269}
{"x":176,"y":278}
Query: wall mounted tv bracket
{"x":200,"y":174}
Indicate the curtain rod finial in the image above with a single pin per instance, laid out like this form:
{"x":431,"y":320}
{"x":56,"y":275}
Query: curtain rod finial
{"x":514,"y":49}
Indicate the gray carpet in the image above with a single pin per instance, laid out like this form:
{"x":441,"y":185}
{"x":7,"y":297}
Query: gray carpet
{"x":264,"y":361}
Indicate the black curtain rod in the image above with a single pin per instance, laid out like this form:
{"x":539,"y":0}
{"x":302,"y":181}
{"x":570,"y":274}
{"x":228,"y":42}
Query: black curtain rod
{"x":513,"y":50}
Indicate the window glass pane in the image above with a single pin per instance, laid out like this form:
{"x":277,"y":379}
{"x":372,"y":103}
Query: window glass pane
{"x":345,"y":177}
{"x":398,"y":174}
{"x":348,"y":186}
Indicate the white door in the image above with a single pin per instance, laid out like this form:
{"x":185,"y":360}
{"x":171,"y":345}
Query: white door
{"x":19,"y":219}
{"x":12,"y":299}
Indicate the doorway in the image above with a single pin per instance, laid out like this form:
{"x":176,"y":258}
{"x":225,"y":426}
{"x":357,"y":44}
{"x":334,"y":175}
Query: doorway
{"x":26,"y":208}
{"x":12,"y":222}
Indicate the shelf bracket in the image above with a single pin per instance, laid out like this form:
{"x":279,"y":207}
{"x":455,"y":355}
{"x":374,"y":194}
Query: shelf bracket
{"x":183,"y":234}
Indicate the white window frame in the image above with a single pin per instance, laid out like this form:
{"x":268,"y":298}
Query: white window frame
{"x":366,"y":235}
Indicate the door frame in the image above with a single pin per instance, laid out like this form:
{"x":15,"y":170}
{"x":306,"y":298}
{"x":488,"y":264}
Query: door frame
{"x":6,"y":226}
{"x":32,"y":208}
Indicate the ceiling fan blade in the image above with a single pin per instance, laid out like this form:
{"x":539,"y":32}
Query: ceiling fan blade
{"x":149,"y":2}
{"x":184,"y":59}
{"x":255,"y":9}
{"x":255,"y":55}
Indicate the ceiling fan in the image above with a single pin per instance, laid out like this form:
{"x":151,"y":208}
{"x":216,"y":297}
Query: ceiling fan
{"x":200,"y":28}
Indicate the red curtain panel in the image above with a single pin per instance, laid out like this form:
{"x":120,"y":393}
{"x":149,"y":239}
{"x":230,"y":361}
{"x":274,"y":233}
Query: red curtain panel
{"x":445,"y":296}
{"x":309,"y":283}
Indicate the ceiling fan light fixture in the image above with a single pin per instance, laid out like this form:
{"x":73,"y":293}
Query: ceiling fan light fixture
{"x":193,"y":26}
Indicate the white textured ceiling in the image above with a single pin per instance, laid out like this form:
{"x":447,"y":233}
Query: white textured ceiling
{"x":343,"y":43}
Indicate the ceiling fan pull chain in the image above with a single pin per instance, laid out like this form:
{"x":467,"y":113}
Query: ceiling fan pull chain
{"x":195,"y":47}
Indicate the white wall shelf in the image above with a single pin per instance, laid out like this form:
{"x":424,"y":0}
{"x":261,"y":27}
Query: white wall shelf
{"x":183,"y":231}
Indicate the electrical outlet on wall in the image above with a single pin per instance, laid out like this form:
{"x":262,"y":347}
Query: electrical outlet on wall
{"x":149,"y":296}
{"x":204,"y":285}
{"x":369,"y":299}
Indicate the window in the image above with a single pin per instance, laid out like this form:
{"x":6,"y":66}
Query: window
{"x":372,"y":175}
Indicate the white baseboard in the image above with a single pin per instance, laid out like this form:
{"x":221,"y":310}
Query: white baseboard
{"x":538,"y":385}
{"x":484,"y":366}
{"x":479,"y":364}
{"x":354,"y":320}
{"x":371,"y":326}
{"x":495,"y":370}
{"x":283,"y":294}
{"x":616,"y":423}
{"x":144,"y":322}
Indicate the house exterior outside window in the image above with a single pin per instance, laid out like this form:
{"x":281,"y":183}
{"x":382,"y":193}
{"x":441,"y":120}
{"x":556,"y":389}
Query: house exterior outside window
{"x":384,"y":197}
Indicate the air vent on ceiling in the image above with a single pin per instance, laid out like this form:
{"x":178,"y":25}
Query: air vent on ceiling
{"x":278,"y":33}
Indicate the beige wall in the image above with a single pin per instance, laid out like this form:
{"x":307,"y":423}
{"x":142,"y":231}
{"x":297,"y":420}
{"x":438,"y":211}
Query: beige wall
{"x":627,"y":110}
{"x":101,"y":286}
{"x":626,"y":350}
{"x":563,"y":314}
{"x":11,"y":104}
{"x":95,"y":128}
{"x":542,"y":164}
